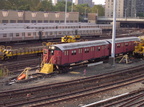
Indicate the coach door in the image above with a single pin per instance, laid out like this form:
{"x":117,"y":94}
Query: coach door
{"x":126,"y":47}
{"x":40,"y":34}
{"x":107,"y":50}
{"x":45,"y":55}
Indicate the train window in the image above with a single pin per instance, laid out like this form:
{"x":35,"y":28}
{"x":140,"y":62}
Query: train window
{"x":118,"y":45}
{"x":80,"y":50}
{"x":86,"y":50}
{"x":23,"y":34}
{"x":11,"y":34}
{"x":46,"y":33}
{"x":4,"y":35}
{"x":73,"y":52}
{"x":65,"y":53}
{"x":52,"y":52}
{"x":17,"y":34}
{"x":103,"y":47}
{"x":34,"y":33}
{"x":126,"y":44}
{"x":51,"y":33}
{"x":29,"y":34}
{"x":92,"y":49}
{"x":98,"y":48}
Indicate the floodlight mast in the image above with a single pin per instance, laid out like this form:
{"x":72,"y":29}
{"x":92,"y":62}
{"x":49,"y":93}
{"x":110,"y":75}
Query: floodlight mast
{"x":65,"y":11}
{"x":113,"y":33}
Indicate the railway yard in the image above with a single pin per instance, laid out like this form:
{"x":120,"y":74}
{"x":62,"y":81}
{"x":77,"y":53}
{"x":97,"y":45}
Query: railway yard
{"x":88,"y":84}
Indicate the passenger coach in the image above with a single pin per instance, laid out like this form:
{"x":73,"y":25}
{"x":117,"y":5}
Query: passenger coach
{"x":63,"y":54}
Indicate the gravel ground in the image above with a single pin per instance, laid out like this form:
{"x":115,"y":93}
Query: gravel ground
{"x":73,"y":74}
{"x":77,"y":74}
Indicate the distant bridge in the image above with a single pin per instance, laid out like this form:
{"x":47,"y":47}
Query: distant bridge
{"x":124,"y":22}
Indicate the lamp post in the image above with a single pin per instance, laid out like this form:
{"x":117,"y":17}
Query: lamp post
{"x":72,"y":6}
{"x":135,"y":12}
{"x":126,"y":12}
{"x":65,"y":11}
{"x":97,"y":12}
{"x":85,"y":12}
{"x":85,"y":17}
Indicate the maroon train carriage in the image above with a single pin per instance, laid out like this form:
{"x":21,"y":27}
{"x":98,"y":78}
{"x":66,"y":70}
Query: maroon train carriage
{"x":124,"y":45}
{"x":65,"y":54}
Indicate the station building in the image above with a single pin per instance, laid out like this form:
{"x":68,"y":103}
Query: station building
{"x":11,"y":16}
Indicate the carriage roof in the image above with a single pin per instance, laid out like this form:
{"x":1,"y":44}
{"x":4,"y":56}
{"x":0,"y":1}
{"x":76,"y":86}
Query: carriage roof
{"x":125,"y":39}
{"x":76,"y":45}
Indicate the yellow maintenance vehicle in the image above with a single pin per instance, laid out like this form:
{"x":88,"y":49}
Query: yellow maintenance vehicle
{"x":70,"y":38}
{"x":8,"y":52}
{"x":139,"y":48}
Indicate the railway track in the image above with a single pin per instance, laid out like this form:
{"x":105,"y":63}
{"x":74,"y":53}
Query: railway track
{"x":68,"y":92}
{"x":15,"y":67}
{"x":132,"y":99}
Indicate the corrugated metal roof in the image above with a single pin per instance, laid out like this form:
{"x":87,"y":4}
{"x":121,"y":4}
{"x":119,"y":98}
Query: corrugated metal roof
{"x":125,"y":39}
{"x":68,"y":46}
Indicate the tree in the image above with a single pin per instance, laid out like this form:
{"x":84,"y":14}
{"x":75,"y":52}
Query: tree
{"x":83,"y":9}
{"x":98,"y":9}
{"x":46,"y":6}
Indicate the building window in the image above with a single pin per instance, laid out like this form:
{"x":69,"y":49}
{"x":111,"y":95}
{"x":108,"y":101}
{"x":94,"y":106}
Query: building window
{"x":20,"y":21}
{"x":45,"y":21}
{"x":12,"y":21}
{"x":33,"y":21}
{"x":39,"y":21}
{"x":4,"y":21}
